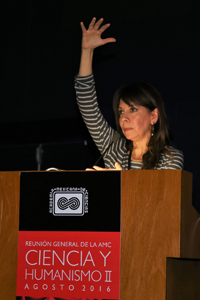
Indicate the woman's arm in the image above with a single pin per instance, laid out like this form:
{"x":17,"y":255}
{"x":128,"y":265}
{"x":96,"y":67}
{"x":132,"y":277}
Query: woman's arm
{"x":98,"y":127}
{"x":100,"y":130}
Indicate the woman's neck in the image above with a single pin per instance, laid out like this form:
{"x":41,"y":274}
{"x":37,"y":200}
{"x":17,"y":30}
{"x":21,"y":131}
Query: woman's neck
{"x":138,"y":151}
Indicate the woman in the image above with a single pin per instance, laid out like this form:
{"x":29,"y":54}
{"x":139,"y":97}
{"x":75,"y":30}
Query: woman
{"x":141,"y":121}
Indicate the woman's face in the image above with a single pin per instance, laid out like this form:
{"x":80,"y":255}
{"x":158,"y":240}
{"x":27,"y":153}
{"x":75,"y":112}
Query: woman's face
{"x":136,"y":120}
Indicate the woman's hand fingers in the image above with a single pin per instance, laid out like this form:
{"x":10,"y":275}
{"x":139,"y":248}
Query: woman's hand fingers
{"x":117,"y":166}
{"x":92,"y":36}
{"x":100,"y":169}
{"x":83,"y":27}
{"x":103,"y":28}
{"x":97,"y":168}
{"x":91,"y":25}
{"x":109,"y":40}
{"x":98,"y":24}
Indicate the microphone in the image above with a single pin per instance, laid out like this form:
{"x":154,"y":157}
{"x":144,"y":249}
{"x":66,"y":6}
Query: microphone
{"x":115,"y":138}
{"x":39,"y":152}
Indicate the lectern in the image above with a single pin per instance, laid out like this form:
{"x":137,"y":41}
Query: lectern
{"x":157,"y":221}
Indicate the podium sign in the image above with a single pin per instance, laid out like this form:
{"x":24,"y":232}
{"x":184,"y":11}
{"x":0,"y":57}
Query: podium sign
{"x":69,"y":235}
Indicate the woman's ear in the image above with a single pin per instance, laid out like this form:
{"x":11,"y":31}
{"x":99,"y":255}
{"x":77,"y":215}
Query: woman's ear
{"x":154,"y":116}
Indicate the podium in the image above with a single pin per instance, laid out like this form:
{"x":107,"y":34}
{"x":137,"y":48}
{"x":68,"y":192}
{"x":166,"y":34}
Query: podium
{"x":158,"y":221}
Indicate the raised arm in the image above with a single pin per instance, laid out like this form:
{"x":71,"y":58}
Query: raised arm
{"x":91,"y":39}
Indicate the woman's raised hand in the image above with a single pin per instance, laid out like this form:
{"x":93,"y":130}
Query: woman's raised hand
{"x":91,"y":38}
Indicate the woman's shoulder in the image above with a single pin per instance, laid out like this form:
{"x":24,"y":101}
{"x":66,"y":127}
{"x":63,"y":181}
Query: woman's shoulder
{"x":174,"y":151}
{"x":171,"y":158}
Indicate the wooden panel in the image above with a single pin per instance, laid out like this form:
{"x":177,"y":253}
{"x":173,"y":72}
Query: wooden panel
{"x":150,"y":231}
{"x":190,"y":221}
{"x":183,"y":278}
{"x":9,"y":220}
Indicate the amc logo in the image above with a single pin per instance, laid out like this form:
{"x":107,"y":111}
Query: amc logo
{"x":68,"y":202}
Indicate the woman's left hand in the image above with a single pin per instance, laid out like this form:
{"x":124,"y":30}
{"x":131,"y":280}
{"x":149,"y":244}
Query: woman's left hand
{"x":117,"y":168}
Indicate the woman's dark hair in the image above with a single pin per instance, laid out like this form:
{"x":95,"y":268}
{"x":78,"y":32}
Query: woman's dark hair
{"x":146,"y":95}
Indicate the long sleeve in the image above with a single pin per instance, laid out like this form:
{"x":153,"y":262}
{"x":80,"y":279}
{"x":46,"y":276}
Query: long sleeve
{"x":98,"y":127}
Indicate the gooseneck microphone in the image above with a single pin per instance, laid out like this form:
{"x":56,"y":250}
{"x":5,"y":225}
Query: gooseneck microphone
{"x":115,"y":138}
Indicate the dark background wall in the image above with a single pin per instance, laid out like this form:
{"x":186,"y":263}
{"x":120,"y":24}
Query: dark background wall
{"x":157,"y":42}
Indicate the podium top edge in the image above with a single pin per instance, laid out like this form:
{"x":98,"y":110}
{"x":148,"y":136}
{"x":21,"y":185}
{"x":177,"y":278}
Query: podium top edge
{"x":123,"y":171}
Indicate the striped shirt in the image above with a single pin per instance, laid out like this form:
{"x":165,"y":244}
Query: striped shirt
{"x":102,"y":133}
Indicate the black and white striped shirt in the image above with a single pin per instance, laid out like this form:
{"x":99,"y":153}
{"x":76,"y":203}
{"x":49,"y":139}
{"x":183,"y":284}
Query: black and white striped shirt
{"x":102,"y":133}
